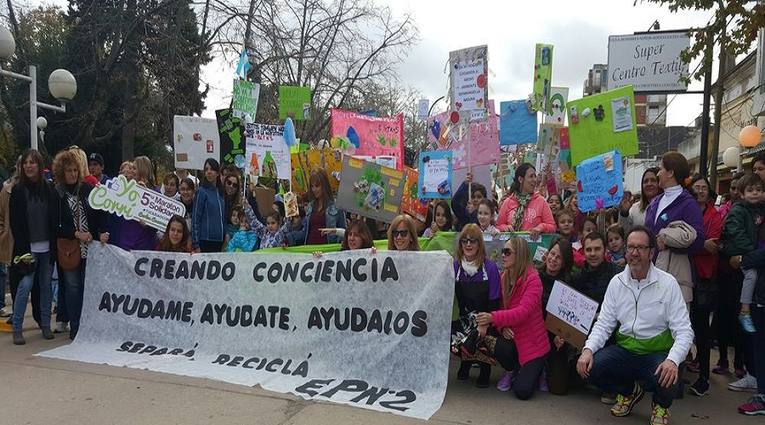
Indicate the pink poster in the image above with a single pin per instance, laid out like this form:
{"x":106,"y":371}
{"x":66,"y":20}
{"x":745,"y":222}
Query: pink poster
{"x":484,"y":139}
{"x":372,"y":136}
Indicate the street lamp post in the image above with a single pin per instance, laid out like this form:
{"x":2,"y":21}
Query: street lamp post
{"x":61,"y":83}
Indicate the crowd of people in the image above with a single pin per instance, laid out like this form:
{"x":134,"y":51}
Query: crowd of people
{"x":671,"y":267}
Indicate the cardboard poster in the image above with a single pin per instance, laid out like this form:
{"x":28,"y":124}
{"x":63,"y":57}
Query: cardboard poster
{"x":370,"y":190}
{"x":518,"y":123}
{"x":543,"y":59}
{"x":570,"y":314}
{"x":593,"y":123}
{"x":245,"y":99}
{"x":384,"y":160}
{"x":194,"y":140}
{"x":599,"y":181}
{"x":305,"y":162}
{"x":231,"y":138}
{"x":555,"y":113}
{"x":468,"y":76}
{"x":435,"y":177}
{"x":373,"y":136}
{"x":495,"y":244}
{"x":295,"y":102}
{"x":267,"y":153}
{"x":483,"y":139}
{"x":411,"y":203}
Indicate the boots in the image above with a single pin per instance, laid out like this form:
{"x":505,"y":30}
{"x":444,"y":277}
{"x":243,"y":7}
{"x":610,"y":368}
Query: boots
{"x":18,"y":338}
{"x":464,"y":372}
{"x":483,"y":376}
{"x":47,"y":334}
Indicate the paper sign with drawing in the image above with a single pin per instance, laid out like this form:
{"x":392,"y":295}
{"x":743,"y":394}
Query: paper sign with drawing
{"x":267,"y":153}
{"x":600,"y":181}
{"x":436,"y":175}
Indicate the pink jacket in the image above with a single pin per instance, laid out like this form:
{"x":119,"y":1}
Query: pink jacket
{"x":523,"y":314}
{"x":538,"y":215}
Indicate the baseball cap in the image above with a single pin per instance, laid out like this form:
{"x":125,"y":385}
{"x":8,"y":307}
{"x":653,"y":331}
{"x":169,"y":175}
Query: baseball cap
{"x":97,"y":158}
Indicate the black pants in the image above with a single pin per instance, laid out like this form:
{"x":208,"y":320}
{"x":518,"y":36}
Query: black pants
{"x":527,"y":376}
{"x":210,"y":246}
{"x":700,"y":322}
{"x":729,"y":333}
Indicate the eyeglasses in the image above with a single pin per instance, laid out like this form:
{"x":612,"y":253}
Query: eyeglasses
{"x":400,"y":233}
{"x":468,"y":241}
{"x":232,"y":183}
{"x":636,"y":248}
{"x":507,"y":252}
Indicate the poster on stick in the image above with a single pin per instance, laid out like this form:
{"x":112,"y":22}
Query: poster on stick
{"x":483,"y":139}
{"x":436,"y":175}
{"x":267,"y":153}
{"x":518,"y":123}
{"x":570,"y":314}
{"x":245,"y":100}
{"x":370,"y":190}
{"x":351,"y":337}
{"x":599,"y":182}
{"x":132,"y":201}
{"x":231,"y":138}
{"x":410,"y":202}
{"x":371,"y":136}
{"x":306,"y":162}
{"x":294,"y":102}
{"x":194,"y":140}
{"x":543,"y":59}
{"x":469,"y":78}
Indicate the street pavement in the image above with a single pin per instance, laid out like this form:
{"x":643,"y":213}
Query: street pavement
{"x":35,"y":390}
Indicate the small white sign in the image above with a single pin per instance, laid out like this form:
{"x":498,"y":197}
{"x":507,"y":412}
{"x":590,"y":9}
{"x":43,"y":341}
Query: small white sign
{"x":422,"y":109}
{"x":572,"y":307}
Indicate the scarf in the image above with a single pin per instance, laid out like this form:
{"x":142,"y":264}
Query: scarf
{"x":469,"y":267}
{"x":80,"y":219}
{"x":520,"y":212}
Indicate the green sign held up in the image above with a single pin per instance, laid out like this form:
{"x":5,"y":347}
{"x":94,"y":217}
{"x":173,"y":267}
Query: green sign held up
{"x":245,"y":99}
{"x":295,"y":102}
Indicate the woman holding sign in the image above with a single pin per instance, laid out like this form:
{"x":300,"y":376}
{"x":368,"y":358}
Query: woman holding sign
{"x":209,"y":211}
{"x":522,"y":345}
{"x":138,"y":235}
{"x":525,"y":210}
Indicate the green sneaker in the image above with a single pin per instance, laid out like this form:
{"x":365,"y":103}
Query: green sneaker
{"x":625,"y":403}
{"x":659,"y":415}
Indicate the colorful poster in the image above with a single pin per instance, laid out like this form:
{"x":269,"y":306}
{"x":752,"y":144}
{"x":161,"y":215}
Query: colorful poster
{"x":384,"y":160}
{"x":367,"y":135}
{"x":566,"y":173}
{"x":194,"y":140}
{"x":231,"y":138}
{"x":468,"y":72}
{"x":483,"y":139}
{"x":518,"y":123}
{"x":411,"y":203}
{"x":245,"y":99}
{"x":267,"y":153}
{"x":306,"y":162}
{"x":593,"y":121}
{"x":436,"y":175}
{"x":556,"y":106}
{"x":543,"y":59}
{"x":294,"y":102}
{"x":132,"y":201}
{"x":370,"y":190}
{"x":599,"y":181}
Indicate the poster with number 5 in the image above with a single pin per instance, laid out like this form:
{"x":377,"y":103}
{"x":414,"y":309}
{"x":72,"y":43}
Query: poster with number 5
{"x":436,"y":174}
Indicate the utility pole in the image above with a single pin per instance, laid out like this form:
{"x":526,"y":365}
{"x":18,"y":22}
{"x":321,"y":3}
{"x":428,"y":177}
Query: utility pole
{"x":718,"y":115}
{"x":703,"y":163}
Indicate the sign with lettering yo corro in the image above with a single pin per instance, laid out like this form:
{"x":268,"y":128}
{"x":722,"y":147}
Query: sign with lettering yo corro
{"x":132,"y":201}
{"x":650,"y":62}
{"x":368,"y":330}
{"x":570,"y":314}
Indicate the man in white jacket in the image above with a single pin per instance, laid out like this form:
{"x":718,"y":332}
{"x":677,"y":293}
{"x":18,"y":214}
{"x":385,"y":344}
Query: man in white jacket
{"x":653,"y":338}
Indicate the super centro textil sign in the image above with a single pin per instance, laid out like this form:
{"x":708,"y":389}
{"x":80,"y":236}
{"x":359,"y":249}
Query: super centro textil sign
{"x":368,"y":330}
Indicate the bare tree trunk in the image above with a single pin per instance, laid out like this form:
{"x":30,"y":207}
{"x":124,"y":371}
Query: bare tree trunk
{"x":131,"y":86}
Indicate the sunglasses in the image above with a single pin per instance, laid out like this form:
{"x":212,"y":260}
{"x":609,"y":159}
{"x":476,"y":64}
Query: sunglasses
{"x":468,"y":241}
{"x":507,"y":252}
{"x":400,"y":233}
{"x":231,"y":183}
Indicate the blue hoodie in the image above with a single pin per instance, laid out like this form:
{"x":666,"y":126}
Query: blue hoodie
{"x":207,"y":218}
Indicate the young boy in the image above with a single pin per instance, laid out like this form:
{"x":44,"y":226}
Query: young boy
{"x":740,"y":237}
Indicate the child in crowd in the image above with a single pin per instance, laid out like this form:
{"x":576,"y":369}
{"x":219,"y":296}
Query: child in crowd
{"x":466,"y":210}
{"x":486,"y":217}
{"x":274,"y":233}
{"x":616,"y":252}
{"x":442,"y":219}
{"x":177,"y":237}
{"x":565,"y":222}
{"x":740,"y":237}
{"x":239,"y":237}
{"x":170,"y":187}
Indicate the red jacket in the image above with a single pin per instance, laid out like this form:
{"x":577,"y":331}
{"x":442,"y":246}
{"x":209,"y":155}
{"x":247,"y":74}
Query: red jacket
{"x":523,"y":314}
{"x":705,"y":262}
{"x":537,"y":215}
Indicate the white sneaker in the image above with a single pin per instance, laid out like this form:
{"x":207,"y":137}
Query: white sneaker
{"x":5,"y":313}
{"x":61,"y":327}
{"x":748,"y":383}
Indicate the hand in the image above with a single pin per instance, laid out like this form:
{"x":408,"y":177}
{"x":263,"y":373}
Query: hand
{"x":622,"y":262}
{"x":104,"y":237}
{"x":534,"y":234}
{"x":328,"y":231}
{"x":494,"y":231}
{"x":196,"y":251}
{"x":558,"y":341}
{"x":584,"y":364}
{"x":433,"y":228}
{"x":626,"y":202}
{"x":711,"y":245}
{"x":373,"y":250}
{"x":667,"y":373}
{"x":507,"y":333}
{"x":661,"y":243}
{"x":735,"y":261}
{"x":482,"y":330}
{"x":483,"y":319}
{"x":509,"y":228}
{"x":317,"y":254}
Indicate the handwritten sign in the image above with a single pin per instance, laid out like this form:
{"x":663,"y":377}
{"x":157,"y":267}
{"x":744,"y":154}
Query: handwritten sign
{"x":132,"y":201}
{"x":469,"y":81}
{"x":573,"y":311}
{"x":295,"y":102}
{"x":371,"y":136}
{"x":245,"y":100}
{"x":599,"y":181}
{"x":436,"y":174}
{"x":267,"y":153}
{"x":517,"y":123}
{"x":483,"y":139}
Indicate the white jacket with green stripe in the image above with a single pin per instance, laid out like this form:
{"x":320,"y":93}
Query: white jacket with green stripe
{"x":651,"y":315}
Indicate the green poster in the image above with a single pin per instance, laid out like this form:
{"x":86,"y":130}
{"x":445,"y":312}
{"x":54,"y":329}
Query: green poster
{"x":245,"y":100}
{"x":543,"y":60}
{"x":295,"y":102}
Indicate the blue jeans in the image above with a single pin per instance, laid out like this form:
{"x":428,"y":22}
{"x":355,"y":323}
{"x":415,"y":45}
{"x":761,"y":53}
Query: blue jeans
{"x":758,"y":346}
{"x":43,"y":272}
{"x":73,"y":282}
{"x":3,"y":278}
{"x":615,"y":370}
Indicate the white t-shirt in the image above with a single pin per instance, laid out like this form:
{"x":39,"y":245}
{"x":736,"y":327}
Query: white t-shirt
{"x":670,"y":194}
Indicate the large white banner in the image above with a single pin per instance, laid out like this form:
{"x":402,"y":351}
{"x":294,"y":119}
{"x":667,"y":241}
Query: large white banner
{"x":368,"y":330}
{"x":649,"y":62}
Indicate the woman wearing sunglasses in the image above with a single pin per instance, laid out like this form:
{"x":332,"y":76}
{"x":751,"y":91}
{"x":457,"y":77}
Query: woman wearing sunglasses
{"x":478,"y":287}
{"x":522,"y":345}
{"x":402,"y":234}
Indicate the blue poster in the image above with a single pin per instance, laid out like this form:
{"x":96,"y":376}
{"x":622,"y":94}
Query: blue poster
{"x":436,"y":174}
{"x":517,"y":123}
{"x":599,"y":181}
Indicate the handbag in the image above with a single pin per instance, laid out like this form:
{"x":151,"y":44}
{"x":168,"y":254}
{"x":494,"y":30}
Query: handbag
{"x":68,"y":250}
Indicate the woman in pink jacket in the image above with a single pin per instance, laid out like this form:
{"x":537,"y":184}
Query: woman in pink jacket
{"x":525,"y":210}
{"x":522,"y":345}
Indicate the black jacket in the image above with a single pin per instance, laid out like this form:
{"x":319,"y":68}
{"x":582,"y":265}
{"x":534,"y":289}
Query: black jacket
{"x":594,"y":282}
{"x":20,"y":220}
{"x":64,"y":217}
{"x":756,"y":260}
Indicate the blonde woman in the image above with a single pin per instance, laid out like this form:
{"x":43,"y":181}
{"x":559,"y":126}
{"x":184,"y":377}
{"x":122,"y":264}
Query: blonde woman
{"x":402,"y":234}
{"x":523,"y":345}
